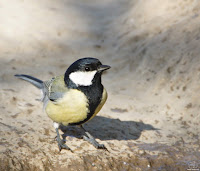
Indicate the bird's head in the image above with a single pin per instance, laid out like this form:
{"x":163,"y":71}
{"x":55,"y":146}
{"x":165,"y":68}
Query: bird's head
{"x":85,"y":71}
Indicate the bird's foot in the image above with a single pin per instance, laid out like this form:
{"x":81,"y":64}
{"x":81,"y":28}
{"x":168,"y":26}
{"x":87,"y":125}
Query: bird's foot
{"x":62,"y":145}
{"x":92,"y":141}
{"x":88,"y":137}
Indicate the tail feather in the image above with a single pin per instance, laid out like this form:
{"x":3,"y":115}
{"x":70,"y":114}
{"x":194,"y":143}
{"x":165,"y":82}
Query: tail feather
{"x":36,"y":82}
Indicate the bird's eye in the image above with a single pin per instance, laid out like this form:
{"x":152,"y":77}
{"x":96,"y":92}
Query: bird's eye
{"x":87,"y":69}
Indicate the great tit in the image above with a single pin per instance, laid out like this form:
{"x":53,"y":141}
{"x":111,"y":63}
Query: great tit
{"x":73,"y":98}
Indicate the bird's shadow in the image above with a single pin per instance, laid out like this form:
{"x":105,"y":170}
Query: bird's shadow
{"x":105,"y":128}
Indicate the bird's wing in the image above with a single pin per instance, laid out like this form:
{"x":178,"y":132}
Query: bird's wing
{"x":55,"y":88}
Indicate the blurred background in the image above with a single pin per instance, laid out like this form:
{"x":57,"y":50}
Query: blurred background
{"x":154,"y":83}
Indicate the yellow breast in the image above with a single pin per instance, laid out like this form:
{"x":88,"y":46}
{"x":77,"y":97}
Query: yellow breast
{"x":72,"y":108}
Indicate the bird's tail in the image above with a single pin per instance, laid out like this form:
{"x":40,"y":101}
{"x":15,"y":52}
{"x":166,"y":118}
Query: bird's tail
{"x":36,"y":82}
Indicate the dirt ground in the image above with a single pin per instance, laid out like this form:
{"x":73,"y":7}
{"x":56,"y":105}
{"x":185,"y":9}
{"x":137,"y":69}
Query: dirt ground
{"x":151,"y":118}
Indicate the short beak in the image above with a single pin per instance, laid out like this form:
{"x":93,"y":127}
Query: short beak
{"x":103,"y":68}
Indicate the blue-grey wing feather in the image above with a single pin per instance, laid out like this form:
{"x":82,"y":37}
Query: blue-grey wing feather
{"x":55,"y":88}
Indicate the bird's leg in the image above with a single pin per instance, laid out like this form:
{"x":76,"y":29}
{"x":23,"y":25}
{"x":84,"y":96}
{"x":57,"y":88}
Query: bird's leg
{"x":61,"y":142}
{"x":88,"y":137}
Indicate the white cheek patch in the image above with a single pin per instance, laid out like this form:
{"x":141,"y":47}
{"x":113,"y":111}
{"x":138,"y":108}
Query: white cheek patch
{"x":82,"y":78}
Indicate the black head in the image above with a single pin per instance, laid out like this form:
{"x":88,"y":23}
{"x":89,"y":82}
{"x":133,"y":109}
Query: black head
{"x":85,"y":71}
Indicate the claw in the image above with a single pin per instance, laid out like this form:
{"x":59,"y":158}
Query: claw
{"x":62,"y":145}
{"x":61,"y":142}
{"x":88,"y":137}
{"x":102,"y":146}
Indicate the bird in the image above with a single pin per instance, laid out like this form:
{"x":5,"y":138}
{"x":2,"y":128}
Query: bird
{"x":74,"y":98}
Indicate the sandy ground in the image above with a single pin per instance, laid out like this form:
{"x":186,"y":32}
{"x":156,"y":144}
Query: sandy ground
{"x":151,"y":118}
